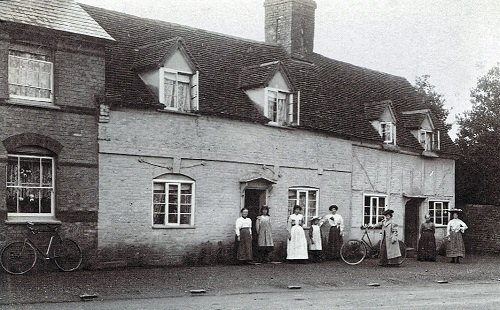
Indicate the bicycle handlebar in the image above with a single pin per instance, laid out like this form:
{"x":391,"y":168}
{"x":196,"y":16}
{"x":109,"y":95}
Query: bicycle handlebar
{"x":35,"y":230}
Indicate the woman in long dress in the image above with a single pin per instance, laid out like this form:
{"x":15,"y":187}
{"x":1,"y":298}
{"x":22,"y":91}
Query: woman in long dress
{"x":389,"y":244}
{"x":243,"y":230}
{"x":336,"y":223}
{"x":454,"y":230}
{"x":297,"y":243}
{"x":265,"y":234}
{"x":427,"y":242}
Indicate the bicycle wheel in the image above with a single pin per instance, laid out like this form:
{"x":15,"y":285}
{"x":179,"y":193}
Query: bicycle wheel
{"x":67,"y":255}
{"x":402,"y":248}
{"x":18,"y":257}
{"x":353,"y":252}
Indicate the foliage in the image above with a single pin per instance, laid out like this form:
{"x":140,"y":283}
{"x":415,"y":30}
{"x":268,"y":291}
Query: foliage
{"x":434,"y":100}
{"x":478,"y":177}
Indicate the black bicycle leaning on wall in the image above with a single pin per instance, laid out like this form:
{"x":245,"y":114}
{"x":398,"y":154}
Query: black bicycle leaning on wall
{"x":20,"y":257}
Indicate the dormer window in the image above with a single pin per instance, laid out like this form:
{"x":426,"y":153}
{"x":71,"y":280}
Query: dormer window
{"x":388,"y":132}
{"x":278,"y":106}
{"x":429,"y":140}
{"x":422,"y":127}
{"x":175,"y":93}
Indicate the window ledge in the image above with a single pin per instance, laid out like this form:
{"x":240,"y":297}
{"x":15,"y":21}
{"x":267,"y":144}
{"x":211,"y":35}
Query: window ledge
{"x":178,"y":112}
{"x":16,"y":220}
{"x":172,"y":227}
{"x":32,"y":103}
{"x":430,"y":154}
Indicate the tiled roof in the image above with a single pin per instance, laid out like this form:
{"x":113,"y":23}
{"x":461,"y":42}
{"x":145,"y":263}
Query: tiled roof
{"x":61,"y":15}
{"x":373,"y":110}
{"x":413,"y":121}
{"x":333,"y":93}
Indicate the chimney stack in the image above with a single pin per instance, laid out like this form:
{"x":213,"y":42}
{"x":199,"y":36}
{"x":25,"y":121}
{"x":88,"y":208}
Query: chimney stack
{"x":291,"y":24}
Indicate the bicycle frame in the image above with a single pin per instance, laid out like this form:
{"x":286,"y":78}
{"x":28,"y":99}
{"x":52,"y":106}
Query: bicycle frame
{"x":45,"y":255}
{"x":370,"y":246}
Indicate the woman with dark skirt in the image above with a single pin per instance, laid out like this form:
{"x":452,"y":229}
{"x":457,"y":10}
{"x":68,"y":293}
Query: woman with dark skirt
{"x":336,"y":223}
{"x":427,"y":242}
{"x":390,"y":253}
{"x":455,"y":248}
{"x":243,"y":231}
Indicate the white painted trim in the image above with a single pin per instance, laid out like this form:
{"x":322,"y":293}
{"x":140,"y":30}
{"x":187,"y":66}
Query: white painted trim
{"x":373,"y":218}
{"x":193,"y":202}
{"x":306,"y":190}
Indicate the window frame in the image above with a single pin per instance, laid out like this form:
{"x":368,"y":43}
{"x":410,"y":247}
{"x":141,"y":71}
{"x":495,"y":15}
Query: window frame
{"x":305,"y":209}
{"x":373,"y":218}
{"x":392,"y":132}
{"x":51,"y":62}
{"x":287,"y":106}
{"x":444,"y":209}
{"x":166,"y":182}
{"x":428,"y":140}
{"x":52,"y":187}
{"x":162,"y":85}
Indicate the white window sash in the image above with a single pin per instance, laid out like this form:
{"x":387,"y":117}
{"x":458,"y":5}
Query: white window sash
{"x":277,"y":107}
{"x":374,"y":204}
{"x":306,"y":192}
{"x":166,"y":185}
{"x":180,"y":98}
{"x":50,"y":89}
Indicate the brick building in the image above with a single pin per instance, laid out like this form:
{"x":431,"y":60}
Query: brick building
{"x":196,"y":125}
{"x":51,"y":72}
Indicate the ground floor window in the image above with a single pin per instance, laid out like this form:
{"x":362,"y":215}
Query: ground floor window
{"x":173,"y":201}
{"x":374,"y":206}
{"x":30,"y":185}
{"x":305,"y":197}
{"x":438,"y":210}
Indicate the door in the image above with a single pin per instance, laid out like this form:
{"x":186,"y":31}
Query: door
{"x":254,"y":200}
{"x":412,"y":220}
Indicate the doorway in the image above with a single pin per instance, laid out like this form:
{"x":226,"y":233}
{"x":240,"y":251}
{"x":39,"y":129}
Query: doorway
{"x":254,"y":200}
{"x":412,"y":220}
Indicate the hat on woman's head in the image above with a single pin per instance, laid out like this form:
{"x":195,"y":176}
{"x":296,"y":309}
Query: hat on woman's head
{"x":454,"y":210}
{"x":315,"y":218}
{"x":388,"y":212}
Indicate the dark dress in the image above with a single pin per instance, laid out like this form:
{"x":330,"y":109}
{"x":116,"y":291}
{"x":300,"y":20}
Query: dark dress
{"x":427,"y":242}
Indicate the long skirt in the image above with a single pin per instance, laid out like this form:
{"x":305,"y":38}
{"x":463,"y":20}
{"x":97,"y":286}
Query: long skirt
{"x":427,"y":246}
{"x":382,"y":257}
{"x":334,"y":243}
{"x":455,"y":246}
{"x":297,"y":245}
{"x":245,"y":245}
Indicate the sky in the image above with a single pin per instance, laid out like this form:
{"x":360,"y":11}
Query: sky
{"x":453,"y":41}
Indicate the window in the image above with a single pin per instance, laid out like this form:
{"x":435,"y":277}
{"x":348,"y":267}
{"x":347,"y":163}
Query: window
{"x":307,"y":198}
{"x":173,"y":202}
{"x":438,"y":210}
{"x":374,"y":206}
{"x":30,"y":185}
{"x":178,"y":90}
{"x":278,"y":107}
{"x":30,"y":76}
{"x":388,"y":132}
{"x":429,"y":140}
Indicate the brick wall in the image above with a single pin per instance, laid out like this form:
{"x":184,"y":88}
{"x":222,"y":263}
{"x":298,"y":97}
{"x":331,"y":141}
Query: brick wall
{"x":78,"y":77}
{"x":483,"y":234}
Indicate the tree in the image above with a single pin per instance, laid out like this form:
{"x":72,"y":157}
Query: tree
{"x":478,"y":171}
{"x":434,"y":100}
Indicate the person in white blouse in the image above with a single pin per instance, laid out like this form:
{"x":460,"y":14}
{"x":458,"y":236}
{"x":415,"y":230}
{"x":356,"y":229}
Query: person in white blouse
{"x":296,"y":249}
{"x":336,"y":223}
{"x":455,"y":248}
{"x":243,"y":230}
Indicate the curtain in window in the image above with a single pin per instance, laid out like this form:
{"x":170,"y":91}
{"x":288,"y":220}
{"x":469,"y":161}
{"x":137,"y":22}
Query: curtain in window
{"x":30,"y":75}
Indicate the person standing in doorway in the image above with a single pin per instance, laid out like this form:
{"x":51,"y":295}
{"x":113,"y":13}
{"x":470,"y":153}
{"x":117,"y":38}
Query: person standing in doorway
{"x":455,"y":248}
{"x":264,"y":234}
{"x":427,"y":242}
{"x":243,"y":231}
{"x":390,"y":252}
{"x":336,"y":223}
{"x":297,"y":243}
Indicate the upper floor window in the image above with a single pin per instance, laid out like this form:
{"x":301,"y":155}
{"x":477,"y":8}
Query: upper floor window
{"x":307,"y":198}
{"x":429,"y":140}
{"x":177,"y":90}
{"x":173,"y":201}
{"x":438,"y":210}
{"x":278,"y":107}
{"x":388,"y":132}
{"x":30,"y":185}
{"x":374,"y":206}
{"x":30,"y":76}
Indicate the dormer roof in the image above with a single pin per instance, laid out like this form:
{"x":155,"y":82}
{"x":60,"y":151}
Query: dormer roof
{"x":416,"y":119}
{"x":374,"y":110}
{"x":258,"y":76}
{"x":61,"y":15}
{"x":152,"y":56}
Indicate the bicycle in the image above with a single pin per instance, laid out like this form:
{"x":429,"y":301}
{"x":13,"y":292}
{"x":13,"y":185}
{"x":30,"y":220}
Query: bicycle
{"x":19,"y":257}
{"x":354,"y":251}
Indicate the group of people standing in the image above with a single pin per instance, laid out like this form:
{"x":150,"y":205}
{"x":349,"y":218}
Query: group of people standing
{"x":297,"y":246}
{"x":327,"y":246}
